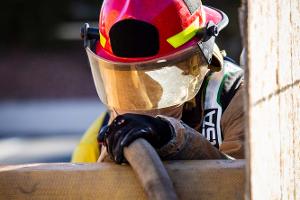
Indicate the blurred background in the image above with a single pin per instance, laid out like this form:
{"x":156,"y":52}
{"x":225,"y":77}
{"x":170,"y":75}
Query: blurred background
{"x":47,"y":96}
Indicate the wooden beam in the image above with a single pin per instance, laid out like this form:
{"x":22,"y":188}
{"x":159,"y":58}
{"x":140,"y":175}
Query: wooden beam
{"x":273,"y":99}
{"x":214,"y":180}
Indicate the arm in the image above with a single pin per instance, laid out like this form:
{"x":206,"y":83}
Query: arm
{"x":233,"y":126}
{"x":187,"y":144}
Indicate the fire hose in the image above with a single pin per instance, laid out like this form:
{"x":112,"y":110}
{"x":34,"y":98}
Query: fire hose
{"x":150,"y":170}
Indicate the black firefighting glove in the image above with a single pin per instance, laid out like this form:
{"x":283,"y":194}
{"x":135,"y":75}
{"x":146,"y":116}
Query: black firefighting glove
{"x":128,"y":127}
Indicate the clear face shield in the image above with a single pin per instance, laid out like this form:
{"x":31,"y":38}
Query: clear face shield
{"x":151,"y":85}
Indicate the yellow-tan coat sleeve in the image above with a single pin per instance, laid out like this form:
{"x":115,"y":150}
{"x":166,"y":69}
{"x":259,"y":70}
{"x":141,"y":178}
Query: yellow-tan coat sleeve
{"x":88,"y":149}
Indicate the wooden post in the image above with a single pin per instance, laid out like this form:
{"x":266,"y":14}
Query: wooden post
{"x":273,"y":99}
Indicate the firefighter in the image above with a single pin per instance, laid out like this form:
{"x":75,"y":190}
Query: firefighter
{"x":162,"y":77}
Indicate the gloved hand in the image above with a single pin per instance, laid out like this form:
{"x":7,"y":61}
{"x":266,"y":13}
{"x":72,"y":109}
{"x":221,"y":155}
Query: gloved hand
{"x":129,"y":127}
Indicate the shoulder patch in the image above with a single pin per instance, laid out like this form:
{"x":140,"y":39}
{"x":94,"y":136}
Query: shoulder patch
{"x":210,"y":126}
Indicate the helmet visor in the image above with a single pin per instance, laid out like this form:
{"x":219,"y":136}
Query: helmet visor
{"x":154,"y":84}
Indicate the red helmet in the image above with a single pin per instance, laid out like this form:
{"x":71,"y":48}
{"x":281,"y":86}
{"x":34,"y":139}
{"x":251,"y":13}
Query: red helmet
{"x":154,"y":54}
{"x":135,"y":30}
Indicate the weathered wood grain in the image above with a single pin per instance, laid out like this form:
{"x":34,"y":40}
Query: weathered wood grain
{"x":214,"y":179}
{"x":273,"y":99}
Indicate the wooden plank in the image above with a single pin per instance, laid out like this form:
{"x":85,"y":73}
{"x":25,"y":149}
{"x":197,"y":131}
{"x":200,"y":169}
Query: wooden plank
{"x":297,"y":141}
{"x":272,"y":99}
{"x":214,"y":179}
{"x":295,"y":16}
{"x":286,"y":113}
{"x":262,"y":132}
